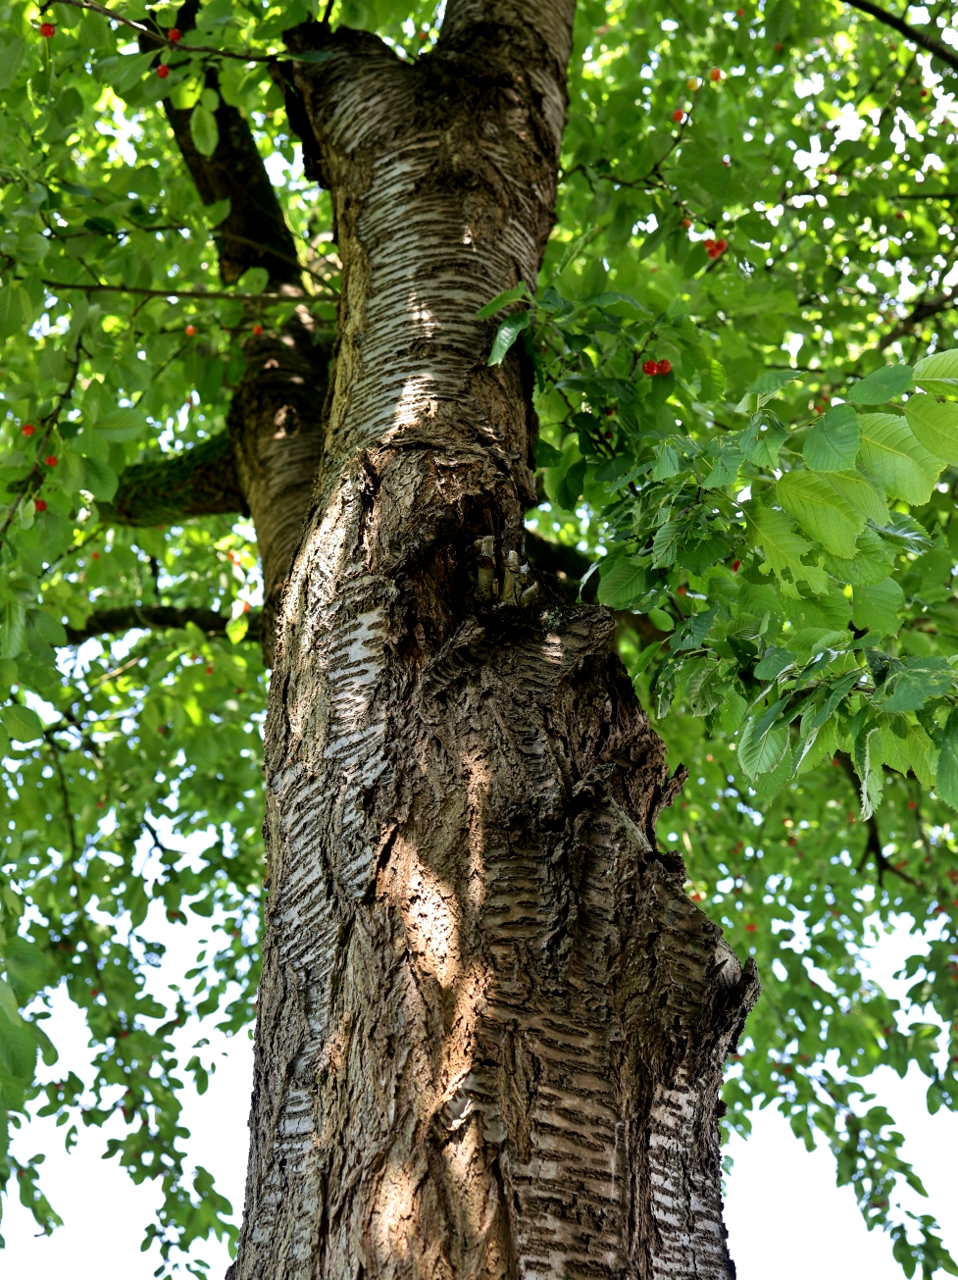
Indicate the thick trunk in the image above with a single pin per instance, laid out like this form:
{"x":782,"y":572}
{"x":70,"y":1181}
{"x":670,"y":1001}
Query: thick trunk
{"x":491,"y":1025}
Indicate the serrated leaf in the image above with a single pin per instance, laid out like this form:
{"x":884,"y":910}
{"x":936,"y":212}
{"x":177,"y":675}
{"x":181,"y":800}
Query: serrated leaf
{"x":101,"y":480}
{"x":822,"y":510}
{"x":623,"y":584}
{"x":507,"y":333}
{"x":935,"y":425}
{"x":761,"y":751}
{"x":938,"y":373}
{"x":204,"y":130}
{"x":891,"y":452}
{"x":872,"y":561}
{"x":832,"y":444}
{"x":882,"y":385}
{"x":913,"y":684}
{"x":713,"y":381}
{"x":876,"y":607}
{"x":783,"y":546}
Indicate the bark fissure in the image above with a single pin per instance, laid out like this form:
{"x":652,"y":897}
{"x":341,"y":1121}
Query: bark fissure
{"x":491,"y":1024}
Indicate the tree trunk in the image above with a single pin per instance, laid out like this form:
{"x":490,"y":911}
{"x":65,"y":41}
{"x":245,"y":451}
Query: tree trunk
{"x":491,"y":1024}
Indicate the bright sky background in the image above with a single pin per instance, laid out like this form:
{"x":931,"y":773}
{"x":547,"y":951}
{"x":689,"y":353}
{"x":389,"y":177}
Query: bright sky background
{"x":786,"y":1218}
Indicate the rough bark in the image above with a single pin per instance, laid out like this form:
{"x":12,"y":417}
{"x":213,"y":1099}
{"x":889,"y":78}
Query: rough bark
{"x":491,"y":1024}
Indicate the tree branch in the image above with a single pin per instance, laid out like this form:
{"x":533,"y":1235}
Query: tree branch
{"x":921,"y":311}
{"x":169,"y":293}
{"x":936,"y":47}
{"x":167,"y":488}
{"x":156,"y":618}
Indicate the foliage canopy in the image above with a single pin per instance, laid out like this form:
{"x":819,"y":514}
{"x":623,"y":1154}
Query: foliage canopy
{"x":746,"y":360}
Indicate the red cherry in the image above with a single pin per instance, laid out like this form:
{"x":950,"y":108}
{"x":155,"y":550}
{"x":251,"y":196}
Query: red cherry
{"x":678,"y":115}
{"x":650,"y":367}
{"x":792,"y":841}
{"x":174,"y":34}
{"x":47,"y":29}
{"x":686,"y":222}
{"x":190,"y":331}
{"x":95,"y":555}
{"x":709,"y":244}
{"x":257,"y":329}
{"x":715,"y":75}
{"x":664,"y":367}
{"x":27,"y":429}
{"x":714,"y":253}
{"x":740,"y":13}
{"x":51,"y":461}
{"x":162,"y":71}
{"x":721,"y":245}
{"x":751,"y":928}
{"x":912,"y":805}
{"x":779,"y":48}
{"x":40,"y":505}
{"x":924,"y":93}
{"x":736,"y":566}
{"x":246,"y":606}
{"x":209,"y":671}
{"x":423,"y":36}
{"x":683,"y":589}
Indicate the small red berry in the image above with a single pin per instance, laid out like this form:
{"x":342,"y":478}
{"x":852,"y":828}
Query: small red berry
{"x":740,"y":13}
{"x":715,"y":75}
{"x":27,"y":429}
{"x":751,"y":928}
{"x":664,"y":367}
{"x":714,"y":253}
{"x":924,"y":93}
{"x":736,"y":566}
{"x":174,"y":34}
{"x":190,"y":331}
{"x":779,"y":48}
{"x":209,"y":671}
{"x":678,"y":115}
{"x":682,"y":589}
{"x":709,"y":244}
{"x":51,"y":461}
{"x":423,"y":36}
{"x":95,"y":555}
{"x":650,"y":367}
{"x":792,"y":841}
{"x":246,"y":606}
{"x":686,"y":222}
{"x":47,"y":29}
{"x":162,"y":71}
{"x":911,"y":804}
{"x":257,"y":329}
{"x":721,"y":245}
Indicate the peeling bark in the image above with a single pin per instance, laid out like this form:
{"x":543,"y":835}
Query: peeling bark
{"x":491,"y":1024}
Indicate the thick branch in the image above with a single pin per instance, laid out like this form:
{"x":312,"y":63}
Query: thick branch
{"x":911,"y":33}
{"x":169,"y":488}
{"x":254,"y":233}
{"x":155,"y":618}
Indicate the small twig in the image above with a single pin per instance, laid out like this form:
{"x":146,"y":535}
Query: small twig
{"x":911,"y":33}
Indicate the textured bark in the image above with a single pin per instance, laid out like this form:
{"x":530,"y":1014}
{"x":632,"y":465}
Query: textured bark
{"x":491,"y":1024}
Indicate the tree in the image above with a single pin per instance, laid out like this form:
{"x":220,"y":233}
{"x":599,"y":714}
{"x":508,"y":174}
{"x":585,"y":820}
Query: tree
{"x":492,"y":1017}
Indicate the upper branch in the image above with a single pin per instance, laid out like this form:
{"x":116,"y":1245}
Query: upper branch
{"x":940,"y":50}
{"x":169,"y":487}
{"x":156,"y":618}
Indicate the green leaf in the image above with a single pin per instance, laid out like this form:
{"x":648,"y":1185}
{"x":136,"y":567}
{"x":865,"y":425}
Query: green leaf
{"x":783,"y":547}
{"x":204,"y":130}
{"x":253,"y":280}
{"x":661,"y":619}
{"x":822,"y":510}
{"x":100,"y":479}
{"x":22,"y":723}
{"x":11,"y":60}
{"x":760,"y":749}
{"x":507,"y":333}
{"x":832,"y":444}
{"x":236,"y":628}
{"x":946,"y":778}
{"x":876,"y":607}
{"x":121,"y":424}
{"x":935,"y":426}
{"x":517,"y":292}
{"x":623,"y":584}
{"x":913,"y":684}
{"x":894,"y":456}
{"x":872,"y":561}
{"x":766,"y":388}
{"x":882,"y":385}
{"x":938,"y":373}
